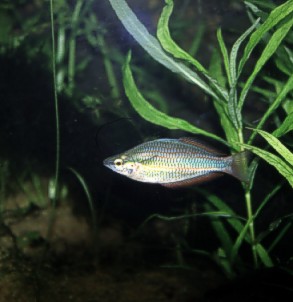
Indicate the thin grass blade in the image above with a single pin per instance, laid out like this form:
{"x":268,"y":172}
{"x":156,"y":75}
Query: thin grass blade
{"x":222,"y":233}
{"x":269,"y":50}
{"x":280,"y":235}
{"x":285,"y":127}
{"x":225,"y":56}
{"x":222,"y":206}
{"x":288,"y":87}
{"x":278,"y":14}
{"x":88,"y":196}
{"x":264,"y":256}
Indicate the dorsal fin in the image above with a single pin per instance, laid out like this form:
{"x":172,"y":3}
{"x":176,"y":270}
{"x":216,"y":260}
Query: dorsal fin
{"x":192,"y":141}
{"x":192,"y":181}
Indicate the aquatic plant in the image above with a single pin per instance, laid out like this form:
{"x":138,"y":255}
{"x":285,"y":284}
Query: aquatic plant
{"x":228,"y":87}
{"x":74,"y":22}
{"x":58,"y":54}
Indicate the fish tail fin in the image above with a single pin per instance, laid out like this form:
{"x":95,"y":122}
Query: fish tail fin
{"x":239,"y":167}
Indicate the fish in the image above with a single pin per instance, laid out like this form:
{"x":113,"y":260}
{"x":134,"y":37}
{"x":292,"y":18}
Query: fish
{"x":177,"y":163}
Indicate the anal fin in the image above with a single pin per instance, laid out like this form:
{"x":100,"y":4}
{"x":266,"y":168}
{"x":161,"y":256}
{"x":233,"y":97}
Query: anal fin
{"x":192,"y":181}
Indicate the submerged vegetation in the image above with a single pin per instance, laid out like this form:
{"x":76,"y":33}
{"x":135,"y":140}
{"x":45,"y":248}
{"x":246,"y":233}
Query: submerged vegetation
{"x":224,"y":82}
{"x":245,"y":89}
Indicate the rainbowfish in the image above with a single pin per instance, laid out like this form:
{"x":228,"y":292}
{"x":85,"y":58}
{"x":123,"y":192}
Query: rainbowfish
{"x":176,"y":163}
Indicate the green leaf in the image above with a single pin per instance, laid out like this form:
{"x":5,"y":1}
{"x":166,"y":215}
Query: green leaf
{"x":197,"y":40}
{"x":152,"y":46}
{"x":222,"y":108}
{"x":88,"y":195}
{"x":235,"y":49}
{"x":274,"y":18}
{"x":275,"y":104}
{"x":150,"y":113}
{"x":236,"y":223}
{"x":285,"y":127}
{"x":268,"y":197}
{"x":264,"y":255}
{"x":219,"y":204}
{"x":288,"y":105}
{"x":280,"y":235}
{"x":171,"y":46}
{"x":253,"y":10}
{"x":224,"y":52}
{"x":233,"y":109}
{"x":221,"y":231}
{"x":282,"y":167}
{"x":277,"y":145}
{"x":244,"y":230}
{"x":168,"y":43}
{"x":269,"y":50}
{"x":239,"y":240}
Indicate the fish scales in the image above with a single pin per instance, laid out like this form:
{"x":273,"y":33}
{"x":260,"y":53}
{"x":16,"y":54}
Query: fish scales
{"x":172,"y":161}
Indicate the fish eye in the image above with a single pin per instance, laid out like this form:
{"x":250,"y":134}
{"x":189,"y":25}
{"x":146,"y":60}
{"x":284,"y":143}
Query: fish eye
{"x":118,"y":162}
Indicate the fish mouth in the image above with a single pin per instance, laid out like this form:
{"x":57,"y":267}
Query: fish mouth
{"x":108,"y":162}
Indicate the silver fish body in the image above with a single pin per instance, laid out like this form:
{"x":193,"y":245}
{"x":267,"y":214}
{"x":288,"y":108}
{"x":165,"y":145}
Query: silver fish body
{"x":175,"y":163}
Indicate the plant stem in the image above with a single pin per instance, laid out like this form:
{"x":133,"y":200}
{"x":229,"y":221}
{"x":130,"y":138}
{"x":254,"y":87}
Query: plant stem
{"x":72,"y":46}
{"x":56,"y":104}
{"x":54,"y":185}
{"x":251,"y":226}
{"x":249,"y":210}
{"x":60,"y":55}
{"x":115,"y":93}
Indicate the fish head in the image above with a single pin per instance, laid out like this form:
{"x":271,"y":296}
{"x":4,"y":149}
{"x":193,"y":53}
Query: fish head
{"x":122,"y":164}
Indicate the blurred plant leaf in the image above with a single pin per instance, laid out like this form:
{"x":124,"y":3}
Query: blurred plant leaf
{"x":151,"y":114}
{"x":196,"y":42}
{"x":269,"y":50}
{"x":280,"y":235}
{"x":285,"y":127}
{"x":264,"y":255}
{"x":236,"y":223}
{"x":222,"y":206}
{"x":288,"y":105}
{"x":221,"y":231}
{"x":275,"y":104}
{"x":274,"y":18}
{"x":5,"y":28}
